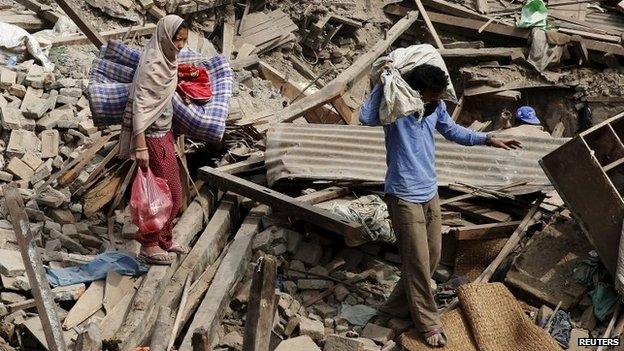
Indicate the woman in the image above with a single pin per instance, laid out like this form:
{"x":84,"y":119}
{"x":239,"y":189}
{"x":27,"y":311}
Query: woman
{"x":146,"y":129}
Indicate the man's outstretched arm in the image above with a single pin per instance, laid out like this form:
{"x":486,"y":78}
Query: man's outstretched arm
{"x":466,"y":136}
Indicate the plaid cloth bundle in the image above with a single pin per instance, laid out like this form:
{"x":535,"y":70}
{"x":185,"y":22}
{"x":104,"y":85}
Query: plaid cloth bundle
{"x":111,"y":76}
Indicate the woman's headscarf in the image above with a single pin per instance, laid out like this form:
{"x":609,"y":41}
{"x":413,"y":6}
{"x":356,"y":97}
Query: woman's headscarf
{"x":154,"y":83}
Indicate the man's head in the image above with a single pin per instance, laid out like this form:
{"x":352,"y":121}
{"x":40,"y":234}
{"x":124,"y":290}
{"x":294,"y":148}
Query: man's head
{"x":430,"y":81}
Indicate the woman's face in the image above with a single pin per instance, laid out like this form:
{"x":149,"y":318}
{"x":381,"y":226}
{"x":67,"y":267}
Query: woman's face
{"x":180,"y":38}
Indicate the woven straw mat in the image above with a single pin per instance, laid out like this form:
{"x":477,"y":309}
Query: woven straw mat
{"x":490,"y":319}
{"x":474,"y":256}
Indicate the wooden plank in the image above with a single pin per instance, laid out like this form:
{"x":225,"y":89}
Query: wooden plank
{"x":458,"y":109}
{"x":85,"y":26}
{"x":478,"y":213}
{"x":115,"y":316}
{"x":102,"y":165}
{"x":117,"y":286}
{"x":333,"y":192}
{"x":160,"y":336}
{"x":89,"y":303}
{"x":46,"y":308}
{"x":212,"y":308}
{"x":261,"y":306}
{"x":485,"y":231}
{"x":147,"y":29}
{"x":132,"y":331}
{"x":178,"y":318}
{"x":250,"y":164}
{"x":430,"y":26}
{"x":482,"y":6}
{"x":70,"y":172}
{"x":485,"y":54}
{"x":97,"y":197}
{"x":338,"y":86}
{"x":227,"y":45}
{"x":511,"y":243}
{"x":290,"y":206}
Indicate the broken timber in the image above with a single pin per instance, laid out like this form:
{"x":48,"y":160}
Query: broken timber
{"x":485,"y":231}
{"x":261,"y":310}
{"x":46,"y":308}
{"x":290,"y":206}
{"x":212,"y":308}
{"x":342,"y":82}
{"x":85,"y":26}
{"x":111,"y":34}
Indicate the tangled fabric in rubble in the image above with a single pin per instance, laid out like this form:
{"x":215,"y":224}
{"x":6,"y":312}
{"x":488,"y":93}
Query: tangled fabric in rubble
{"x":15,"y":41}
{"x":370,"y":211}
{"x":111,"y":76}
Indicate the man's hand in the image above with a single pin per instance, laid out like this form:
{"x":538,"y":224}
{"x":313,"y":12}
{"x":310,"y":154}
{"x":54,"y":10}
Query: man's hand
{"x":506,"y":144}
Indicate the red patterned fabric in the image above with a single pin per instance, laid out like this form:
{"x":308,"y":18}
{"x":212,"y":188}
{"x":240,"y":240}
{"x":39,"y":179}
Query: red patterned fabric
{"x":163,"y":163}
{"x":194,"y":83}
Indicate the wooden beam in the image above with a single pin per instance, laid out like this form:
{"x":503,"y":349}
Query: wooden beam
{"x":251,"y":164}
{"x":70,"y":172}
{"x":458,"y":109}
{"x":341,"y":83}
{"x":261,"y":306}
{"x":430,"y":26}
{"x":485,"y":231}
{"x":40,"y":288}
{"x":485,"y":54}
{"x":212,"y":308}
{"x":110,"y":34}
{"x":228,"y":32}
{"x":85,"y":26}
{"x":350,"y":230}
{"x":162,"y":330}
{"x":511,"y":243}
{"x":333,"y":192}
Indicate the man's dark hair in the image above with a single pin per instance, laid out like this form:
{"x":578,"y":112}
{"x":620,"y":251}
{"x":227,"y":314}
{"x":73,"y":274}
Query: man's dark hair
{"x":427,"y":77}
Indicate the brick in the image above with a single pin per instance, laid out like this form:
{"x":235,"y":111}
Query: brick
{"x":62,"y":217}
{"x":32,"y":160}
{"x":324,"y":310}
{"x":6,"y":176}
{"x":7,"y":78}
{"x":71,"y":92}
{"x":309,"y":253}
{"x":377,"y":333}
{"x":32,"y":96}
{"x":297,"y":265}
{"x":66,"y":100}
{"x":342,"y":343}
{"x":300,"y":343}
{"x":49,"y":143}
{"x":22,"y":141}
{"x":20,"y":169}
{"x":11,"y":264}
{"x":83,"y":103}
{"x":17,"y":90}
{"x":12,"y":118}
{"x":66,"y":83}
{"x":51,"y":198}
{"x":312,"y":328}
{"x":38,"y":107}
{"x":293,"y":239}
{"x":35,"y":77}
{"x":11,"y":297}
{"x":62,"y":117}
{"x":69,"y":229}
{"x":86,"y":127}
{"x":341,"y":293}
{"x":68,"y":292}
{"x":42,"y":173}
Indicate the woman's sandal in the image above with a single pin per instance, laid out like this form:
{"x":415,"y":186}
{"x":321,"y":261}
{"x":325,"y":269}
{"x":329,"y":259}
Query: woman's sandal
{"x":159,"y":258}
{"x":177,"y":248}
{"x":437,"y":331}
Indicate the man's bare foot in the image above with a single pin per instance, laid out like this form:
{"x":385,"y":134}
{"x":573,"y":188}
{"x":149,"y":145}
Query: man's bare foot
{"x":436,"y":338}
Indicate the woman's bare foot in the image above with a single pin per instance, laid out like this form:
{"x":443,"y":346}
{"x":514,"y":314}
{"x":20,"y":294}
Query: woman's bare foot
{"x":436,"y":338}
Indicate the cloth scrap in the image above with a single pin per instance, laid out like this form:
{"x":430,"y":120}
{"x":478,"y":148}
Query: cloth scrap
{"x":110,"y":261}
{"x":372,"y":212}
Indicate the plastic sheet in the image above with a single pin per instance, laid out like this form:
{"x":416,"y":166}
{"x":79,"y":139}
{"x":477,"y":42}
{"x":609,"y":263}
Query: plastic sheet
{"x":534,"y":14}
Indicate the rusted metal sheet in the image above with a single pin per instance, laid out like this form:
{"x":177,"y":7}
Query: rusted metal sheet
{"x":357,"y":153}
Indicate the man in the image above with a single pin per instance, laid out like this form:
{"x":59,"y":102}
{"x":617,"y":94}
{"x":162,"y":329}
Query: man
{"x":411,"y":193}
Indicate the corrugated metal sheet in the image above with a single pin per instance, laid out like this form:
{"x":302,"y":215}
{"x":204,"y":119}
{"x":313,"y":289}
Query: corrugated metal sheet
{"x":342,"y":152}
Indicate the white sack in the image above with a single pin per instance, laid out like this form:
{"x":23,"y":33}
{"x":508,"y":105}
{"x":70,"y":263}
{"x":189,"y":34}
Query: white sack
{"x":16,"y":40}
{"x":398,"y":98}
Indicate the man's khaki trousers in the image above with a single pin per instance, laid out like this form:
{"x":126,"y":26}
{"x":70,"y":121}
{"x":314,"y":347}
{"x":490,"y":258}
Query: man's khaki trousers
{"x":418,"y":230}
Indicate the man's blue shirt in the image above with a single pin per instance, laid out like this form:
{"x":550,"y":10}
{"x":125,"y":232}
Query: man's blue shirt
{"x":410,"y":148}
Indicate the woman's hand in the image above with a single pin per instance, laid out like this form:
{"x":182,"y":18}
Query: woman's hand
{"x":142,"y":159}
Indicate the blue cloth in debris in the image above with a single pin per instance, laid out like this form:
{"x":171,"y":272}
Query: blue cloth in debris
{"x":110,"y":261}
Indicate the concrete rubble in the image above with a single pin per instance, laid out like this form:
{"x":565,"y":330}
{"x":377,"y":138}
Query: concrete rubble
{"x":284,"y":247}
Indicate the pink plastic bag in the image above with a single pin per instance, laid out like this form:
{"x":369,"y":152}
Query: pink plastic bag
{"x":150,"y":202}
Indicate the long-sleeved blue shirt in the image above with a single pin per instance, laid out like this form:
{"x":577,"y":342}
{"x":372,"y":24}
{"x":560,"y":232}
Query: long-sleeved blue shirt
{"x":410,"y":148}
